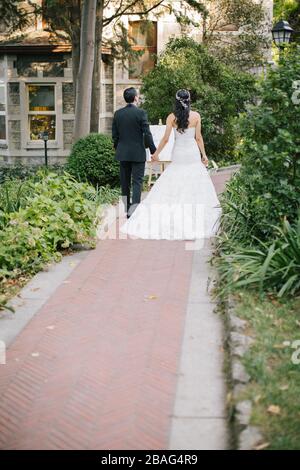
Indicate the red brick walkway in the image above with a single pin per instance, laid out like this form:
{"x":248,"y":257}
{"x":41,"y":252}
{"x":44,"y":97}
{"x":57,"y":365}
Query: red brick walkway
{"x":96,"y":368}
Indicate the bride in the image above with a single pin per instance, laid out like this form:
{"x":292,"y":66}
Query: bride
{"x":183,"y":204}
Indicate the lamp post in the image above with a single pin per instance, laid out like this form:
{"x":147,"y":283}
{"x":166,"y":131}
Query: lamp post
{"x":45,"y":136}
{"x":282,"y":33}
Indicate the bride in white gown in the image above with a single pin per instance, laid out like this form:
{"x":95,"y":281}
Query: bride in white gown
{"x":183,"y":204}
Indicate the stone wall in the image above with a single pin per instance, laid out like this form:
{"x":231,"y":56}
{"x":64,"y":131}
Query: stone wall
{"x":14,"y":134}
{"x":68,"y":98}
{"x":68,"y":127}
{"x":13,"y":98}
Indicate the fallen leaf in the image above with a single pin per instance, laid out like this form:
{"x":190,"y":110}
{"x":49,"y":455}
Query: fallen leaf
{"x":262,"y":446}
{"x":35,"y":289}
{"x":35,"y":354}
{"x":257,"y":399}
{"x":150,"y":297}
{"x":50,"y":327}
{"x":274,"y":410}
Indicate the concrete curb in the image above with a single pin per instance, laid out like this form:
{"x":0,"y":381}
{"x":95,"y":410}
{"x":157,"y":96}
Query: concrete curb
{"x":247,"y":437}
{"x":224,"y":169}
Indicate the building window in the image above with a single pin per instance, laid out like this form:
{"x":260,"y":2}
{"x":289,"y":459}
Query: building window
{"x":42,"y":117}
{"x":2,"y":112}
{"x":143,"y":36}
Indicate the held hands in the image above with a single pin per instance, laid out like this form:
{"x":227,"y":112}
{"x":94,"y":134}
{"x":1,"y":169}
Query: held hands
{"x":205,"y":160}
{"x":155,"y":157}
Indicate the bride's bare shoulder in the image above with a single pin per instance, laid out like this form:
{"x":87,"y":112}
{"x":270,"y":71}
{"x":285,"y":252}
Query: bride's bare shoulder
{"x":171,"y":119}
{"x":195,"y":114}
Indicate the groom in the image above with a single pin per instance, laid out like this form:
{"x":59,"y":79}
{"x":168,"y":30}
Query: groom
{"x":131,"y":134}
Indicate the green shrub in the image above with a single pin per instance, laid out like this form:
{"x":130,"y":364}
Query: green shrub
{"x":218,"y":92}
{"x":265,"y":195}
{"x":59,"y":212}
{"x":22,"y":172}
{"x":267,"y":189}
{"x":92,"y":160}
{"x":13,"y":196}
{"x":269,"y":267}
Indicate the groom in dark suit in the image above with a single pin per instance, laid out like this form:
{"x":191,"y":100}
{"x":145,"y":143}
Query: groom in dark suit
{"x":131,"y":134}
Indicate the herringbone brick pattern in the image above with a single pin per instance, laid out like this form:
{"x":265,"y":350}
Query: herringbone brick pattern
{"x":96,"y":367}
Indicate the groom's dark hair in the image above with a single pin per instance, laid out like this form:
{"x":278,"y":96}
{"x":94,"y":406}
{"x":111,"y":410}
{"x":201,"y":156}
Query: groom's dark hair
{"x":129,"y":94}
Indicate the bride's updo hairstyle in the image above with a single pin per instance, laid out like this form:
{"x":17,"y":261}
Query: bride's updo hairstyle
{"x":182,"y":109}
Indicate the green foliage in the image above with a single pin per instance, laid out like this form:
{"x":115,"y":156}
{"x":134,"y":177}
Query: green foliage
{"x":272,"y":365}
{"x":13,"y":195}
{"x":57,"y":212}
{"x":265,"y":195}
{"x":23,"y":172}
{"x":92,"y":159}
{"x":269,"y":267}
{"x":288,"y":10}
{"x":218,"y":92}
{"x":249,"y":18}
{"x":267,"y":189}
{"x":107,"y":195}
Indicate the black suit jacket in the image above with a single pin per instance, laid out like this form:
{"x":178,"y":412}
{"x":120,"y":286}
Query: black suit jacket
{"x":131,"y":134}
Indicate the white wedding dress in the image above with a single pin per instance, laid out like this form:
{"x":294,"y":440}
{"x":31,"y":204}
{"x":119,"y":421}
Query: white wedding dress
{"x":183,"y":204}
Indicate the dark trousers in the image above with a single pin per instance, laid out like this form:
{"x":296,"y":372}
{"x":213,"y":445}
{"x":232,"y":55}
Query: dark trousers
{"x":134,"y":171}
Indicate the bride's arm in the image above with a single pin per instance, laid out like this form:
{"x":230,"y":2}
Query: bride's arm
{"x":165,"y":139}
{"x":200,"y":142}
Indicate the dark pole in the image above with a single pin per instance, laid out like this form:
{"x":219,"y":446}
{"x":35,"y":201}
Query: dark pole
{"x":46,"y":152}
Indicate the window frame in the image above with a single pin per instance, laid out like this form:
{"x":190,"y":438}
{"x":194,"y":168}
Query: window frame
{"x":136,"y":47}
{"x":41,"y":113}
{"x":4,"y":113}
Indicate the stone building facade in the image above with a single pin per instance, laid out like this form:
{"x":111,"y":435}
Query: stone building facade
{"x":36,"y":90}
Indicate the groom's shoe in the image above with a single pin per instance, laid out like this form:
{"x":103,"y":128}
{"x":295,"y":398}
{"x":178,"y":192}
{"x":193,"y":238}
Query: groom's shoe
{"x":128,"y":216}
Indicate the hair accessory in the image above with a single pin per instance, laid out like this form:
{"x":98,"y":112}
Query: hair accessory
{"x":183,"y":100}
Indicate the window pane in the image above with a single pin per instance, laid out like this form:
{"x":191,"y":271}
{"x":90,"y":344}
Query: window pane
{"x":141,"y":65}
{"x":2,"y":98}
{"x":143,"y":33}
{"x":39,"y":123}
{"x":2,"y":128}
{"x":41,"y":98}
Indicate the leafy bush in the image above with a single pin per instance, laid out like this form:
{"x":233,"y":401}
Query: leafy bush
{"x":267,"y":189}
{"x":268,"y":267}
{"x":218,"y":92}
{"x":22,"y":172}
{"x":265,"y":194}
{"x":58,"y":213}
{"x":13,"y":196}
{"x":92,"y":160}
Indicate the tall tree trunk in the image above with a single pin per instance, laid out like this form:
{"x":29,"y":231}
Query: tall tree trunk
{"x":96,"y":85}
{"x":75,"y":19}
{"x":75,"y":59}
{"x":86,"y":67}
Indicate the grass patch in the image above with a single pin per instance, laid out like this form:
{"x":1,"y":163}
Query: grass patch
{"x":275,"y":380}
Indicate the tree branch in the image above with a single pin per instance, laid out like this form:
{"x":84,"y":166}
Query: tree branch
{"x":106,"y":21}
